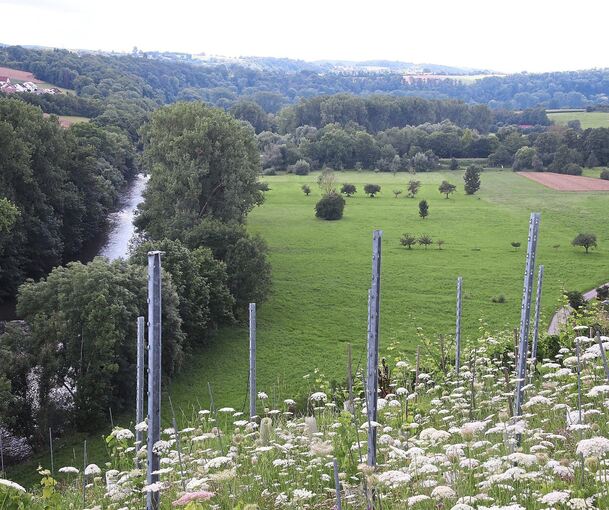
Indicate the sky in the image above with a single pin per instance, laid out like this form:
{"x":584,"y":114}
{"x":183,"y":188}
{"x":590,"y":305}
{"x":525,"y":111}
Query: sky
{"x":504,"y":36}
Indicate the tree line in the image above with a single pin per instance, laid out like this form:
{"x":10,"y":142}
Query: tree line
{"x":73,"y":358}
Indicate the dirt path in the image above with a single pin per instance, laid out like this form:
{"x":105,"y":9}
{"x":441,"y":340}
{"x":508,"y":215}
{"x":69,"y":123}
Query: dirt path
{"x":562,"y":314}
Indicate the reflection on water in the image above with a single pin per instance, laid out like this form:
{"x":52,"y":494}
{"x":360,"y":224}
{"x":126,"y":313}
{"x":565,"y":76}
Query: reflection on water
{"x":121,"y":222}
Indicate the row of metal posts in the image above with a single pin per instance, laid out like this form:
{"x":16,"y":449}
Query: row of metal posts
{"x":154,"y":349}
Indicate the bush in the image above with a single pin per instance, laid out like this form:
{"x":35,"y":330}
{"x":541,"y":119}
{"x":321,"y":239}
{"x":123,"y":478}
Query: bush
{"x":602,"y":292}
{"x":408,"y":240}
{"x":500,"y":298}
{"x":372,"y":189}
{"x":348,"y":189}
{"x":306,"y":189}
{"x":605,"y":175}
{"x":515,"y":245}
{"x":576,"y":299}
{"x":573,"y":169}
{"x":301,"y":167}
{"x":423,"y":209}
{"x":454,"y":164}
{"x":425,"y":240}
{"x":330,"y":207}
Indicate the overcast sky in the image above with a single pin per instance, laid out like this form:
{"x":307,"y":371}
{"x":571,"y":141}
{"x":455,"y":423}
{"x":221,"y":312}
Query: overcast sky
{"x":509,"y":35}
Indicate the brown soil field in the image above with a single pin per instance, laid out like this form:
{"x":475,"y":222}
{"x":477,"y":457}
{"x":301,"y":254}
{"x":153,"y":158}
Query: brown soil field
{"x":562,"y":182}
{"x":14,"y":74}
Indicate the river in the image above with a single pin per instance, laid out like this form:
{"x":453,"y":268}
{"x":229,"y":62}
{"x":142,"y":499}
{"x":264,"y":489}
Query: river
{"x":116,"y":242}
{"x":113,"y":243}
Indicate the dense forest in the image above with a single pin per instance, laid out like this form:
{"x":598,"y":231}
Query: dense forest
{"x":99,"y":76}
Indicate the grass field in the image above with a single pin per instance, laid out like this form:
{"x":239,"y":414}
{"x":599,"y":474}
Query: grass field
{"x":321,"y":273}
{"x":587,"y":119}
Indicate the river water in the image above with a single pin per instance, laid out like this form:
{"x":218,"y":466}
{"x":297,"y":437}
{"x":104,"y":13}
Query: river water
{"x":113,"y":243}
{"x":116,"y":243}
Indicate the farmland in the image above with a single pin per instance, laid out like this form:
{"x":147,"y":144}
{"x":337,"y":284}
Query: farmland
{"x":587,"y":119}
{"x":321,"y":271}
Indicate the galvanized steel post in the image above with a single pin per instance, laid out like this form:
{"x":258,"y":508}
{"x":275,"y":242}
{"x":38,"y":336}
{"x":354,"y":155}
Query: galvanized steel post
{"x":154,"y":373}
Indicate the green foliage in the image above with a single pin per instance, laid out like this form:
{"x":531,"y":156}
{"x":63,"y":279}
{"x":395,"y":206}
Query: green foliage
{"x":413,"y":188}
{"x":423,"y":209}
{"x":348,"y":189}
{"x":301,"y":167}
{"x":515,"y":245}
{"x":62,"y":182}
{"x":202,"y":163}
{"x":245,"y":256}
{"x":330,"y":207}
{"x":306,"y":189}
{"x":586,"y":240}
{"x":83,"y":322}
{"x":201,"y":283}
{"x":425,"y":240}
{"x":8,"y":215}
{"x":576,"y":299}
{"x":454,"y":164}
{"x":251,"y":112}
{"x":408,"y":240}
{"x":397,"y":192}
{"x":605,"y":174}
{"x":500,"y":298}
{"x":446,"y":188}
{"x":372,"y":189}
{"x":327,"y":181}
{"x":471,"y":177}
{"x":523,"y":159}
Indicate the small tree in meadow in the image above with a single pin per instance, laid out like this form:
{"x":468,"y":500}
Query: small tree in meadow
{"x":472,"y":179}
{"x":348,"y":189}
{"x":515,"y":245}
{"x":306,"y":189}
{"x":586,"y":240}
{"x":408,"y":240}
{"x":423,"y":209}
{"x":413,"y":188}
{"x":454,"y":164}
{"x":425,"y":240}
{"x":372,"y":189}
{"x":446,"y":188}
{"x":605,"y":175}
{"x":330,"y":207}
{"x":327,"y":181}
{"x":397,"y":192}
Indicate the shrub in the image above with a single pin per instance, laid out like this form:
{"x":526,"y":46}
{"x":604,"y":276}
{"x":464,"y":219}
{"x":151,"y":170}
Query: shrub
{"x":301,"y":167}
{"x":573,"y":169}
{"x":605,"y":175}
{"x":306,"y":189}
{"x":413,"y":188}
{"x":576,"y":299}
{"x":500,"y":298}
{"x":515,"y":245}
{"x":372,"y":189}
{"x":454,"y":164}
{"x":348,"y":189}
{"x":330,"y":207}
{"x":408,"y":240}
{"x":602,"y":292}
{"x":397,"y":192}
{"x":263,"y":186}
{"x":269,"y":171}
{"x":425,"y":240}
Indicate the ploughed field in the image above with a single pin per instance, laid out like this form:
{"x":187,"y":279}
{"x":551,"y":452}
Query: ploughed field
{"x":561,"y":182}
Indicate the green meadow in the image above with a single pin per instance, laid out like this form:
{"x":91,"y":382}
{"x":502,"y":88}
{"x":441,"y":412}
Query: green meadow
{"x":587,"y":119}
{"x":322,"y":270}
